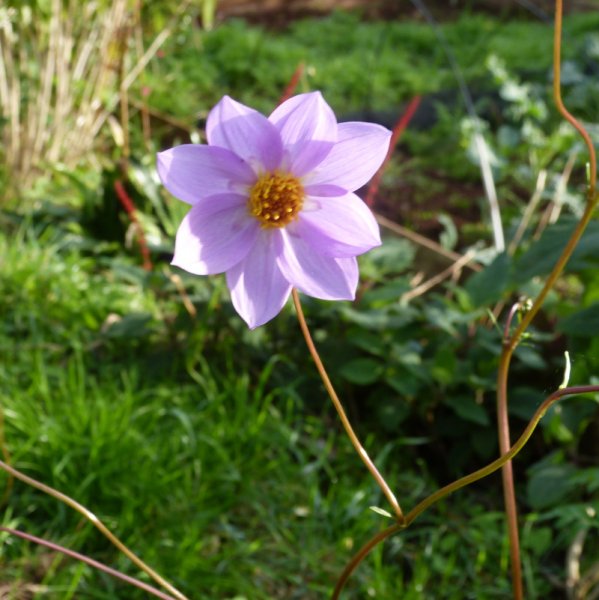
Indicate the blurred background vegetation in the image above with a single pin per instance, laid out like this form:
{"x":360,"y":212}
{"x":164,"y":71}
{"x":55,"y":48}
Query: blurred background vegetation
{"x":212,"y":450}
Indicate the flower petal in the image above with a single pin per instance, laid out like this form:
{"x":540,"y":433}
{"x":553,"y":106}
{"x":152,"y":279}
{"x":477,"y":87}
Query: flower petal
{"x":245,"y":132}
{"x":192,"y":171}
{"x":359,"y":152}
{"x":258,"y":289}
{"x":216,"y":234}
{"x":315,"y":274}
{"x":308,"y":128}
{"x":324,"y":189}
{"x":337,"y":226}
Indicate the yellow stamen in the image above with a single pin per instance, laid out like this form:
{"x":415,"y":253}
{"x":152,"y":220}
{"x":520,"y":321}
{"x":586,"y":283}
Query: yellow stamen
{"x":276,"y":199}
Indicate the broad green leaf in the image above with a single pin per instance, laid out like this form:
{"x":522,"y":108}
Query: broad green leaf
{"x":362,"y":371}
{"x":583,"y":323}
{"x":489,"y":285}
{"x":543,"y":254}
{"x":549,"y":486}
{"x":467,"y":408}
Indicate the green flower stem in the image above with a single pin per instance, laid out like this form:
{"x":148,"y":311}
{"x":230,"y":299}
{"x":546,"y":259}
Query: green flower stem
{"x":341,"y":412}
{"x":511,"y":342}
{"x":93,"y":519}
{"x":88,"y":561}
{"x":460,"y":483}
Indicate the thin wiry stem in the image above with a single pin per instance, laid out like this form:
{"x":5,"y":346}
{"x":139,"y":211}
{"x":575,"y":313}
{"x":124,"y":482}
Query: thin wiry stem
{"x":93,"y":519}
{"x":508,"y":322}
{"x":557,"y":97}
{"x":88,"y":561}
{"x":452,"y":270}
{"x":529,"y":211}
{"x":139,"y":67}
{"x":511,"y":344}
{"x":425,"y":242}
{"x":460,"y":483}
{"x":341,"y":412}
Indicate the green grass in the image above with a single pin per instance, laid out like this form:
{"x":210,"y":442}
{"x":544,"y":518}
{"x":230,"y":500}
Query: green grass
{"x":223,"y":482}
{"x":357,"y":65}
{"x":212,"y":450}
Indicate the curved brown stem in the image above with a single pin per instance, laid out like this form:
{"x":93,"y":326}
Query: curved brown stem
{"x":93,"y":519}
{"x":511,"y":342}
{"x":460,"y":483}
{"x":88,"y":561}
{"x":341,"y":412}
{"x":557,"y":97}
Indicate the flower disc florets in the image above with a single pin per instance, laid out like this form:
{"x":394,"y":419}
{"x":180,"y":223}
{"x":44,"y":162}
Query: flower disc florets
{"x":276,"y":199}
{"x":272,"y":202}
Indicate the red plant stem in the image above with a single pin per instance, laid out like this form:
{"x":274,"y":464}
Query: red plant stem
{"x":129,"y":207}
{"x":293,"y":83}
{"x":89,"y":561}
{"x":398,"y":129}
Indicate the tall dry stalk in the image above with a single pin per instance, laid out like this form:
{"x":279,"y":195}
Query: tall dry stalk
{"x":62,"y":72}
{"x":57,"y":70}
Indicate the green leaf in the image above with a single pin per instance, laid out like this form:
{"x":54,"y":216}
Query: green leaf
{"x":404,"y":383}
{"x":524,"y":401}
{"x":488,"y":286}
{"x":538,"y":540}
{"x":449,"y":235}
{"x":362,"y":371}
{"x":367,"y":341}
{"x":444,"y":369}
{"x":530,"y":357}
{"x":583,"y":323}
{"x":466,"y":408}
{"x":392,"y":411}
{"x":381,"y":511}
{"x":394,"y":256}
{"x":543,"y":254}
{"x":549,"y":486}
{"x":134,"y":325}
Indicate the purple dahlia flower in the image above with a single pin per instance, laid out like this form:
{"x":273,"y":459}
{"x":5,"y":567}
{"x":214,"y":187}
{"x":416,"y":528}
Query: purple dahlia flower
{"x":272,"y":202}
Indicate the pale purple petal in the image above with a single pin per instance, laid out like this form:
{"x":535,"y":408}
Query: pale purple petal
{"x":258,"y":289}
{"x":324,"y":189}
{"x":304,"y":157}
{"x":360,"y":150}
{"x":337,"y":226}
{"x":308,"y":128}
{"x":315,"y":274}
{"x":193,"y":171}
{"x":245,"y":132}
{"x":216,"y":234}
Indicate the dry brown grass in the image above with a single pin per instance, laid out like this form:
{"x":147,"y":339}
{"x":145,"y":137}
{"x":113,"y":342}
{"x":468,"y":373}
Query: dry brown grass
{"x":62,"y":74}
{"x":57,"y":72}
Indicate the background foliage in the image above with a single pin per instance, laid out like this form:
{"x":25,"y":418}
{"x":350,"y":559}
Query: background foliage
{"x":211,"y":449}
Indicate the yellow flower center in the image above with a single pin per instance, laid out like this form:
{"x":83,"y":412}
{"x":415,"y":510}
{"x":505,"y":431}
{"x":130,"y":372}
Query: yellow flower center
{"x":275,"y":199}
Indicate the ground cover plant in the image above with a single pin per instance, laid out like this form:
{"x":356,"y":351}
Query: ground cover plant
{"x":211,"y":449}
